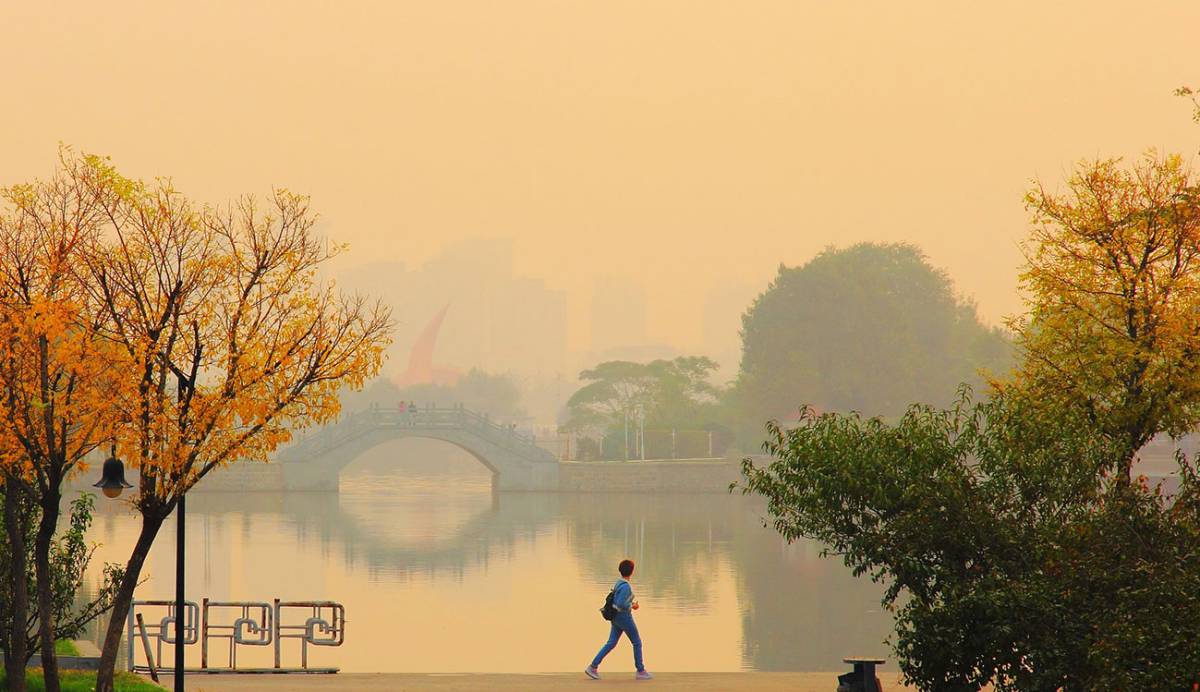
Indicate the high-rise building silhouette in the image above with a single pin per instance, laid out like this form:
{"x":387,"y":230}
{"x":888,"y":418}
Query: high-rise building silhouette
{"x":493,"y":320}
{"x":618,"y":314}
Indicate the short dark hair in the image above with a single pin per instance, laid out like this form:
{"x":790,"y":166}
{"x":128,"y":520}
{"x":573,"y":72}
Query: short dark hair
{"x":625,"y":568}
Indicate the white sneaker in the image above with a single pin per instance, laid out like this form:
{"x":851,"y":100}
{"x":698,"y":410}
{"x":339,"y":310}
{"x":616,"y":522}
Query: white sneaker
{"x":643,"y":675}
{"x":592,"y":672}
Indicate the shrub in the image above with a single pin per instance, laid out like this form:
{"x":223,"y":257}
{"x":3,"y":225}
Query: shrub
{"x":1009,"y":557}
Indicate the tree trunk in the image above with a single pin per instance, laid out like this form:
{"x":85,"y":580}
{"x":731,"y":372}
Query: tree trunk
{"x":8,"y":668}
{"x":123,"y":601}
{"x":14,"y":524}
{"x":45,"y":589}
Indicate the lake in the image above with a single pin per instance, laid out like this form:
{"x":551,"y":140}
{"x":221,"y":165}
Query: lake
{"x":440,"y":574}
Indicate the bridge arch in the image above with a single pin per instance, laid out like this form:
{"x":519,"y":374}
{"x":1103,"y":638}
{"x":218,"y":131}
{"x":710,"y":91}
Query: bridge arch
{"x":355,"y":449}
{"x":515,"y":460}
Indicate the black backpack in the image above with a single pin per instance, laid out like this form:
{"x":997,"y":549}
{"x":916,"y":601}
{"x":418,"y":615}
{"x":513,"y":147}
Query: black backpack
{"x":608,"y":612}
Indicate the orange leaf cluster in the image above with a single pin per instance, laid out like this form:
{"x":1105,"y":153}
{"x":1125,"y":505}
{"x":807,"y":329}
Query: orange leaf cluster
{"x":188,"y":336}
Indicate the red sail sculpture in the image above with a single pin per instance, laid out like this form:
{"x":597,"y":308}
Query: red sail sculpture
{"x":421,"y":369}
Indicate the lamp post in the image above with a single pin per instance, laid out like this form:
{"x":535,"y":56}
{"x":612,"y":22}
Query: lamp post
{"x":641,"y":432}
{"x":112,"y":484}
{"x":626,"y":456}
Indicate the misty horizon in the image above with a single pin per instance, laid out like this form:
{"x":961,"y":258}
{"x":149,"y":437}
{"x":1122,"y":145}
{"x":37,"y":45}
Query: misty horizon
{"x":761,"y":137}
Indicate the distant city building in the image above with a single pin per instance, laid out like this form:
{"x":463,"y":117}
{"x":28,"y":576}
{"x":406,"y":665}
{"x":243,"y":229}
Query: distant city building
{"x":492,"y":319}
{"x":618,"y":313}
{"x":724,"y":305}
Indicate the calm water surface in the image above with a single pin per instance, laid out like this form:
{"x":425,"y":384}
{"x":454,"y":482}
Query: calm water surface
{"x":438,"y":574}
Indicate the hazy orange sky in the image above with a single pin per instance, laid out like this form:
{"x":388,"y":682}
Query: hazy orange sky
{"x":684,"y":142}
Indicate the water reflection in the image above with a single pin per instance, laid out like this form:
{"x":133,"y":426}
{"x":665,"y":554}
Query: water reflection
{"x":440,"y":574}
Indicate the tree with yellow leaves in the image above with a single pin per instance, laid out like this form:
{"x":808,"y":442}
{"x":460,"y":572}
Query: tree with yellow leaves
{"x":56,"y":374}
{"x":1113,"y":295}
{"x":227,"y":340}
{"x":1011,"y":527}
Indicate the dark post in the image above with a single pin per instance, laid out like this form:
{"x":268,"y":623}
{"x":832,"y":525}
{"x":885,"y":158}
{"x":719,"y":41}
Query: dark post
{"x":141,"y":623}
{"x":862,"y":678}
{"x":179,"y":607}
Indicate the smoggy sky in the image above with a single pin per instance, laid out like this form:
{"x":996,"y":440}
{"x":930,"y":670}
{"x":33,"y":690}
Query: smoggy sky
{"x":683,"y":142}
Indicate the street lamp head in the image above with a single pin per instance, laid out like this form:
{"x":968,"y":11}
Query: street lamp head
{"x":112,"y":478}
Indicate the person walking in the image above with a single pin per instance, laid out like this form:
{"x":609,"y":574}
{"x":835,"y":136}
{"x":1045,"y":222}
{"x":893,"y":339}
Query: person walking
{"x":623,"y":605}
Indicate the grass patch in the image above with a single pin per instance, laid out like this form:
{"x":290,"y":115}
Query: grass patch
{"x":66,"y":647}
{"x":84,"y":681}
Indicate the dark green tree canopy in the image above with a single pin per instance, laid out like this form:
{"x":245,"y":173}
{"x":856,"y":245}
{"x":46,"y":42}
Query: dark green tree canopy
{"x":1008,"y":560}
{"x":870,"y":328}
{"x":670,"y":393}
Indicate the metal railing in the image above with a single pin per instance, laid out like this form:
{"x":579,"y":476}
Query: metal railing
{"x":661,"y":444}
{"x":234,"y":624}
{"x":324,"y":626}
{"x":162,"y":632}
{"x":252,"y":627}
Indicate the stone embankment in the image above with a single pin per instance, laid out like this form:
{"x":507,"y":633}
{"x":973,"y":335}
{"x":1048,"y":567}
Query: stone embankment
{"x":674,"y":476}
{"x":670,"y":476}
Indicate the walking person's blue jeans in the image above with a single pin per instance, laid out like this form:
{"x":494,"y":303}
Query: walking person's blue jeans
{"x":623,"y":622}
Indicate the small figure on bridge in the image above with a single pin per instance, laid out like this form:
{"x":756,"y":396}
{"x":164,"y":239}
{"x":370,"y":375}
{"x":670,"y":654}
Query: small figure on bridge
{"x":619,"y":611}
{"x":412,"y":412}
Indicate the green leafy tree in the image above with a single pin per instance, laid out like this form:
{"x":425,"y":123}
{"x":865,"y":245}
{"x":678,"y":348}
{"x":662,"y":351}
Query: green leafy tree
{"x":70,"y":555}
{"x":1018,"y":548}
{"x":668,"y":394}
{"x":660,"y":395}
{"x":1008,"y":560}
{"x":683,"y":394}
{"x":870,"y":328}
{"x":613,"y":393}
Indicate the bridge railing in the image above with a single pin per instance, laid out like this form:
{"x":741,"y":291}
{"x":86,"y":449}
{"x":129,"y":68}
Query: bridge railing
{"x":450,"y":418}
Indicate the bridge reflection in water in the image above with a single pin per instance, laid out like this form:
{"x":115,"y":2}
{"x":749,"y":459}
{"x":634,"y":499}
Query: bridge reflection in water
{"x":439,"y":573}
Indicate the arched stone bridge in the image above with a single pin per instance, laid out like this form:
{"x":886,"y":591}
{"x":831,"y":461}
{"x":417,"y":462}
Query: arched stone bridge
{"x":515,"y":460}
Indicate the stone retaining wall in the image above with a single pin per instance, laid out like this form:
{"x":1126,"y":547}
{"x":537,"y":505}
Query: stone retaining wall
{"x":675,"y":476}
{"x":244,"y":477}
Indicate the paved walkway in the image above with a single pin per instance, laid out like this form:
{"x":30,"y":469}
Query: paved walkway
{"x":399,"y":682}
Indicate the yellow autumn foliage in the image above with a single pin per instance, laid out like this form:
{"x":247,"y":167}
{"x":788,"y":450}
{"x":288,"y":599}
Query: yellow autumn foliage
{"x":190,"y":336}
{"x":183,"y":336}
{"x":1112,"y":285}
{"x":58,"y":370}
